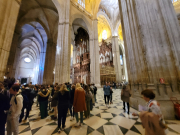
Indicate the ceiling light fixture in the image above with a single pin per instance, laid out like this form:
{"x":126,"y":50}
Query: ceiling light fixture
{"x":27,"y":59}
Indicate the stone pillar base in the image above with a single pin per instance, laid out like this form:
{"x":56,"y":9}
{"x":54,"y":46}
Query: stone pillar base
{"x":163,"y":93}
{"x":98,"y":85}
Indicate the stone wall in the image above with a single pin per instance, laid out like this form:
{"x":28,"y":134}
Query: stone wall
{"x":151,"y":36}
{"x":9,"y":10}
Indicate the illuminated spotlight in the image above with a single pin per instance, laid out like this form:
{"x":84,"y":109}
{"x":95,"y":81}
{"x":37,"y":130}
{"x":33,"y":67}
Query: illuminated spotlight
{"x":27,"y":59}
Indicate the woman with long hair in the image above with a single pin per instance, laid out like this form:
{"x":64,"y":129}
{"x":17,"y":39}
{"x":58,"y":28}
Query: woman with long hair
{"x":54,"y":101}
{"x":89,"y":96}
{"x":63,"y":105}
{"x":43,"y":101}
{"x":79,"y":104}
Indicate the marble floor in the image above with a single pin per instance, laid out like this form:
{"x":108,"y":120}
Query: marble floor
{"x":103,"y":121}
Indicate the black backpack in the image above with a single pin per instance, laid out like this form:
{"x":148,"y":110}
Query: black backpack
{"x":6,"y":93}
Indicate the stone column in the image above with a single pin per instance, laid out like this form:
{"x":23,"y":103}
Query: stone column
{"x":63,"y":48}
{"x":94,"y":56}
{"x":116,"y":59}
{"x":14,"y":54}
{"x":125,"y":67}
{"x":151,"y":36}
{"x":9,"y":10}
{"x":48,"y":77}
{"x":41,"y":66}
{"x":74,"y":54}
{"x":63,"y":54}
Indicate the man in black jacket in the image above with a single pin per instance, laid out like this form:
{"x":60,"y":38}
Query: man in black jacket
{"x":95,"y":92}
{"x":4,"y":107}
{"x":28,"y":96}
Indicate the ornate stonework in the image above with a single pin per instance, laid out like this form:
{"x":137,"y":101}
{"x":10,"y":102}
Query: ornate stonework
{"x":107,"y":71}
{"x":82,"y":64}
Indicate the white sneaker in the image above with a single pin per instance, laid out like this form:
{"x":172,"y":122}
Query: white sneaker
{"x":59,"y":130}
{"x":72,"y":118}
{"x":63,"y":128}
{"x":77,"y":124}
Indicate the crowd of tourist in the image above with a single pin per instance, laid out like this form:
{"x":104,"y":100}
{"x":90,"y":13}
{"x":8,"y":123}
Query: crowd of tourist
{"x":61,"y":98}
{"x":58,"y":99}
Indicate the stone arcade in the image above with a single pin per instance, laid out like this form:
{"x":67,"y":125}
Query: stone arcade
{"x":144,"y":35}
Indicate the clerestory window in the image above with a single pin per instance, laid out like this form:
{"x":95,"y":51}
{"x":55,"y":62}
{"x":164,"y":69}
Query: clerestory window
{"x":174,"y":0}
{"x":82,"y":3}
{"x":104,"y":35}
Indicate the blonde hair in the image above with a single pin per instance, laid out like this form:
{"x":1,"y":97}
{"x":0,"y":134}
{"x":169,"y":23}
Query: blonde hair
{"x":63,"y":89}
{"x":78,"y":85}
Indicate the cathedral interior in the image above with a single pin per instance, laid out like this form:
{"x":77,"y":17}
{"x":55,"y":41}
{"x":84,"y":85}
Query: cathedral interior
{"x":94,"y":42}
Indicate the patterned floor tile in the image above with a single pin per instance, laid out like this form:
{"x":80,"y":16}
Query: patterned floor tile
{"x":106,"y":115}
{"x":46,"y":130}
{"x":131,"y":133}
{"x":123,"y":122}
{"x":95,"y":133}
{"x":95,"y":122}
{"x":112,"y":130}
{"x":79,"y":131}
{"x":102,"y":121}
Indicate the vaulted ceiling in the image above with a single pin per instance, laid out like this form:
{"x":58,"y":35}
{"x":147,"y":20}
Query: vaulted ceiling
{"x":41,"y":11}
{"x":109,"y":19}
{"x":111,"y":8}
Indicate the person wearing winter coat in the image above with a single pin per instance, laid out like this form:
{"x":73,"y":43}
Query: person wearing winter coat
{"x":71,"y":108}
{"x":43,"y":101}
{"x":125,"y":97}
{"x":79,"y":104}
{"x":95,"y":92}
{"x":63,"y":105}
{"x":54,"y":101}
{"x":4,"y":107}
{"x":89,"y":96}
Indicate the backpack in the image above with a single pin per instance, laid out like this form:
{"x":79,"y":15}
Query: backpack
{"x":92,"y":90}
{"x":95,"y":88}
{"x":89,"y":96}
{"x":6,"y":93}
{"x":25,"y":99}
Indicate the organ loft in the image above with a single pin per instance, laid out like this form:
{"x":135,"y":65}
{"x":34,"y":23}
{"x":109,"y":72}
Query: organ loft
{"x":82,"y":61}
